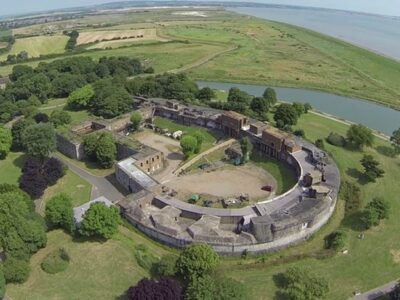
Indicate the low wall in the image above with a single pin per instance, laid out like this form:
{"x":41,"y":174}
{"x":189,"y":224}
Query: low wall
{"x":236,"y":249}
{"x":69,"y":148}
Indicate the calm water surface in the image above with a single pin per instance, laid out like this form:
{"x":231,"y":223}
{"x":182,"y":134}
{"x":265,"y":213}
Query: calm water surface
{"x":373,"y":115}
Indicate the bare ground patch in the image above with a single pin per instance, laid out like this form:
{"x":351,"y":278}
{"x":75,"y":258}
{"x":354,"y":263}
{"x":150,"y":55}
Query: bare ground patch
{"x":109,"y":35}
{"x":228,"y":181}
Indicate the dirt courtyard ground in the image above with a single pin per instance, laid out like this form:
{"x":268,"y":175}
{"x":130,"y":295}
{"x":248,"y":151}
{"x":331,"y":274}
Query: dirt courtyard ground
{"x":171,"y":149}
{"x":226,"y":182}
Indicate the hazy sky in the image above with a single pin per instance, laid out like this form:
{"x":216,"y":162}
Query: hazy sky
{"x":387,"y":7}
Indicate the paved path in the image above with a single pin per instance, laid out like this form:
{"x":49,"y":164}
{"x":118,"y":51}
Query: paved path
{"x":101,"y":185}
{"x":378,"y":292}
{"x":200,"y":156}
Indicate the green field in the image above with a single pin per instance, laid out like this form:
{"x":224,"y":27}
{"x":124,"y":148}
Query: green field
{"x":161,"y":56}
{"x":282,"y":55}
{"x":209,"y":137}
{"x":36,"y":46}
{"x":10,"y":168}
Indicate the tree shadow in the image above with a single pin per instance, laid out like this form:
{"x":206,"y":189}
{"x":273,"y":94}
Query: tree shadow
{"x":281,"y":295}
{"x":175,"y":156}
{"x":123,"y":296}
{"x":357,"y":174}
{"x":280,"y":280}
{"x":386,"y":151}
{"x":354,"y":222}
{"x":20,"y":160}
{"x":77,"y":238}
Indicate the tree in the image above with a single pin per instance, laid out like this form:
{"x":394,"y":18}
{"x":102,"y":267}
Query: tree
{"x":5,"y":142}
{"x":21,"y":232}
{"x":375,"y":211}
{"x":245,"y":146}
{"x":106,"y":150}
{"x":100,"y":221}
{"x":336,"y":240}
{"x":395,"y":139}
{"x":2,"y":283}
{"x":136,"y":119}
{"x":236,"y":95}
{"x":41,"y":118}
{"x":230,"y":289}
{"x":197,"y":260}
{"x":307,"y":107}
{"x":39,"y":140}
{"x":101,"y":147}
{"x":205,"y":94}
{"x":199,"y":139}
{"x":299,"y":107}
{"x":111,"y":99}
{"x":285,"y":115}
{"x":32,"y":180}
{"x":202,"y":287}
{"x":16,"y":270}
{"x":360,"y":136}
{"x":188,"y":145}
{"x":81,"y":97}
{"x":299,"y":284}
{"x":60,"y":118}
{"x":371,"y":168}
{"x":270,"y":96}
{"x":165,"y":289}
{"x":38,"y":175}
{"x":260,"y":106}
{"x":59,"y":212}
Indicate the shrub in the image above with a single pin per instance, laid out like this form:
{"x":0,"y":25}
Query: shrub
{"x":351,"y":193}
{"x":56,"y":261}
{"x":320,"y":144}
{"x":144,"y":258}
{"x":165,"y":289}
{"x":60,"y":118}
{"x":300,"y":133}
{"x":15,"y":270}
{"x":336,"y":139}
{"x":166,"y":267}
{"x":336,"y":240}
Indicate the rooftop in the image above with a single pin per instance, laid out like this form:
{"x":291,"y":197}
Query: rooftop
{"x":128,"y":166}
{"x":233,"y":114}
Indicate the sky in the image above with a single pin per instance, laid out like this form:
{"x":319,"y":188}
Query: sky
{"x":384,"y":7}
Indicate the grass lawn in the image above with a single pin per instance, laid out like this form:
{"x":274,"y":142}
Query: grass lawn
{"x":39,"y":45}
{"x":209,"y":137}
{"x":285,"y":177}
{"x":72,"y":185}
{"x":370,"y":262}
{"x":97,"y":270}
{"x":10,"y":168}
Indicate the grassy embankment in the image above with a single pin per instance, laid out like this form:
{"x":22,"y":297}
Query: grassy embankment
{"x":277,"y":54}
{"x":369,"y":263}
